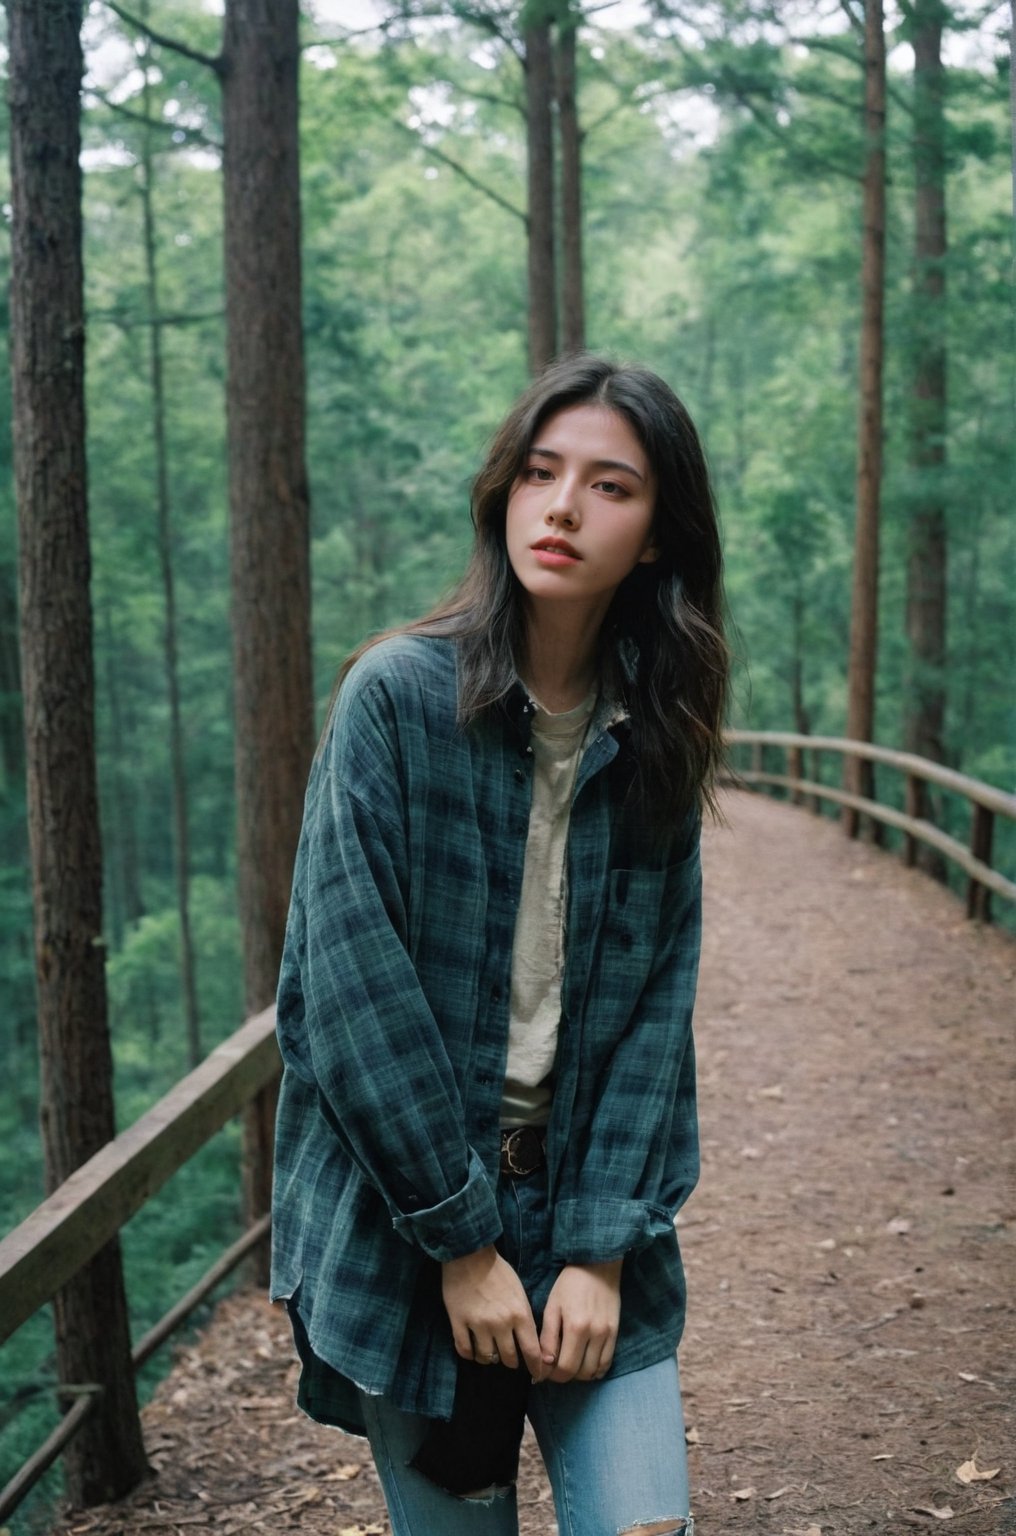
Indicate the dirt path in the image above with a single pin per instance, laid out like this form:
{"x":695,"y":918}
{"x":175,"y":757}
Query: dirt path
{"x":850,"y":1256}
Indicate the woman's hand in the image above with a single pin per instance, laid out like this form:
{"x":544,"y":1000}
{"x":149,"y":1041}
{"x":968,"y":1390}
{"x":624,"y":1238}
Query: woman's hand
{"x":581,"y":1321}
{"x":490,"y":1313}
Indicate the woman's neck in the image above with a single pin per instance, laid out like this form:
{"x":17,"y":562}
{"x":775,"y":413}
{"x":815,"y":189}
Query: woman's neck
{"x":561,"y":663}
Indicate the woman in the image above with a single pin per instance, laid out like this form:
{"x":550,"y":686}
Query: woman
{"x":487,"y":1117}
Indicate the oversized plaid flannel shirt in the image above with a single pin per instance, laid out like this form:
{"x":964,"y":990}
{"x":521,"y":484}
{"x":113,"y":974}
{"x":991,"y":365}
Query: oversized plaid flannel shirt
{"x":393,"y":1025}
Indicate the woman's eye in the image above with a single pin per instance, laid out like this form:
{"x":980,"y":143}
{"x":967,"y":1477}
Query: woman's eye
{"x":612,"y":488}
{"x":539,"y":472}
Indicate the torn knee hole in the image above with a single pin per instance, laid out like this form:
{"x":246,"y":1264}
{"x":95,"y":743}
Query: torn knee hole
{"x":488,"y":1495}
{"x":658,"y":1528}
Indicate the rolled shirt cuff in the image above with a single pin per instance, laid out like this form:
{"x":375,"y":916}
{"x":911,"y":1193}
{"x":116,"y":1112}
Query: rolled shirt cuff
{"x":594,"y":1231}
{"x":461,"y":1224}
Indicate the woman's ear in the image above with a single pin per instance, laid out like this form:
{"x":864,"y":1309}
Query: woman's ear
{"x":649,"y":554}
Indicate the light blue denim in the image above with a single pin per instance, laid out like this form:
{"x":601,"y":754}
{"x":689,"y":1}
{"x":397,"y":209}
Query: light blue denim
{"x":614,"y":1453}
{"x":614,"y":1449}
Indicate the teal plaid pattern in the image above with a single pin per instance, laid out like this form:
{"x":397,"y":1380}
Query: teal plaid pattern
{"x":393,"y":1026}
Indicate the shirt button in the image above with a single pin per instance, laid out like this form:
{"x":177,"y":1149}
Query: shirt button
{"x":496,"y":994}
{"x":519,"y":776}
{"x":484,"y":1078}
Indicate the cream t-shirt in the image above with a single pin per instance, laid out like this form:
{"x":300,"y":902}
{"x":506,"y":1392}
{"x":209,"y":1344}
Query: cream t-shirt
{"x":538,"y":950}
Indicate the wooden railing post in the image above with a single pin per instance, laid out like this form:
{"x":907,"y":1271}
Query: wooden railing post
{"x":795,"y":764}
{"x":982,"y":831}
{"x":876,"y":828}
{"x":858,"y":779}
{"x":815,"y":801}
{"x":257,"y":1154}
{"x":914,"y":806}
{"x":926,"y":845}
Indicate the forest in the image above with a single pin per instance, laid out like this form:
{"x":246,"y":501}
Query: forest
{"x":683,"y":183}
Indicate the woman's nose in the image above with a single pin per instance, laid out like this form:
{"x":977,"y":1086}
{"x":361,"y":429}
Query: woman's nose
{"x":563,"y":508}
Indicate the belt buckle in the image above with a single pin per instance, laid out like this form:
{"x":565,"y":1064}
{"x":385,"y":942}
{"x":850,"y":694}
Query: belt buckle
{"x":509,"y":1151}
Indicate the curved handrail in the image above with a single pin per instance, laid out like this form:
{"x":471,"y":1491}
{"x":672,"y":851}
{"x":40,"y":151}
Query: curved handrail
{"x":987,"y":801}
{"x":976,"y":790}
{"x":63,"y":1233}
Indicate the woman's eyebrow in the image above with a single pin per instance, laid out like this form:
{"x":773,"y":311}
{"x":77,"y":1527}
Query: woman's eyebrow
{"x":550,"y":453}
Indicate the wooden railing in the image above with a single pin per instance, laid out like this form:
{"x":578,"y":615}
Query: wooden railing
{"x":67,"y":1230}
{"x":985,"y":801}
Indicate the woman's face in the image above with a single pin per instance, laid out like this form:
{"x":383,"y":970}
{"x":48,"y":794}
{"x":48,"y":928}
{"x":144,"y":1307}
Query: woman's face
{"x":580,"y":514}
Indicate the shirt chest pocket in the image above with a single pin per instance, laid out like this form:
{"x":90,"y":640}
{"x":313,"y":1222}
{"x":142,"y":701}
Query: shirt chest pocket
{"x":634,"y":906}
{"x":644,"y":909}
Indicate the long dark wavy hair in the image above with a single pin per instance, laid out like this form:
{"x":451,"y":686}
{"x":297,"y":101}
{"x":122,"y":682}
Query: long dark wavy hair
{"x":662,"y":639}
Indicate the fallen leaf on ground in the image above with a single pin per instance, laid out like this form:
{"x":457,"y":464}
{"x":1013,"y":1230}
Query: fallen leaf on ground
{"x":883,"y":1456}
{"x":940,"y":1511}
{"x":970,"y":1472}
{"x":775,"y":1092}
{"x":344,"y":1474}
{"x":898,"y":1226}
{"x":692,"y":1436}
{"x":788,"y":1488}
{"x":743,"y":1493}
{"x":811,"y":1530}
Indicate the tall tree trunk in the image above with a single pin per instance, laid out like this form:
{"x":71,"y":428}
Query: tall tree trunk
{"x":864,"y":607}
{"x":47,"y":322}
{"x":1012,"y":113}
{"x":128,"y":901}
{"x":799,"y":710}
{"x":268,"y":497}
{"x":181,"y":829}
{"x":573,"y":319}
{"x":925,"y":693}
{"x":540,"y":145}
{"x":926,"y":531}
{"x":12,"y":729}
{"x":970,"y":598}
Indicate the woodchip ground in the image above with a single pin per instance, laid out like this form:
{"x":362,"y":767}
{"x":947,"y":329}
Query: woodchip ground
{"x":849,"y":1363}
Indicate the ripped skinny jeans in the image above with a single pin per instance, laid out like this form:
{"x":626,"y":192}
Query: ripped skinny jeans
{"x":614,"y":1453}
{"x":614,"y":1449}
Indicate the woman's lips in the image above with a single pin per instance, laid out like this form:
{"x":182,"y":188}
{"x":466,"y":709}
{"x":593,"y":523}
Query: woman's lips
{"x":555,"y":553}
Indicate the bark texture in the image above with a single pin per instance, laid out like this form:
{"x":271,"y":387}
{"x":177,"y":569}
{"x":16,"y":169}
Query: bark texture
{"x":164,"y":532}
{"x":573,"y":321}
{"x":12,"y":730}
{"x":864,"y":605}
{"x":540,"y":145}
{"x":268,"y":496}
{"x":93,"y":1344}
{"x":926,"y":530}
